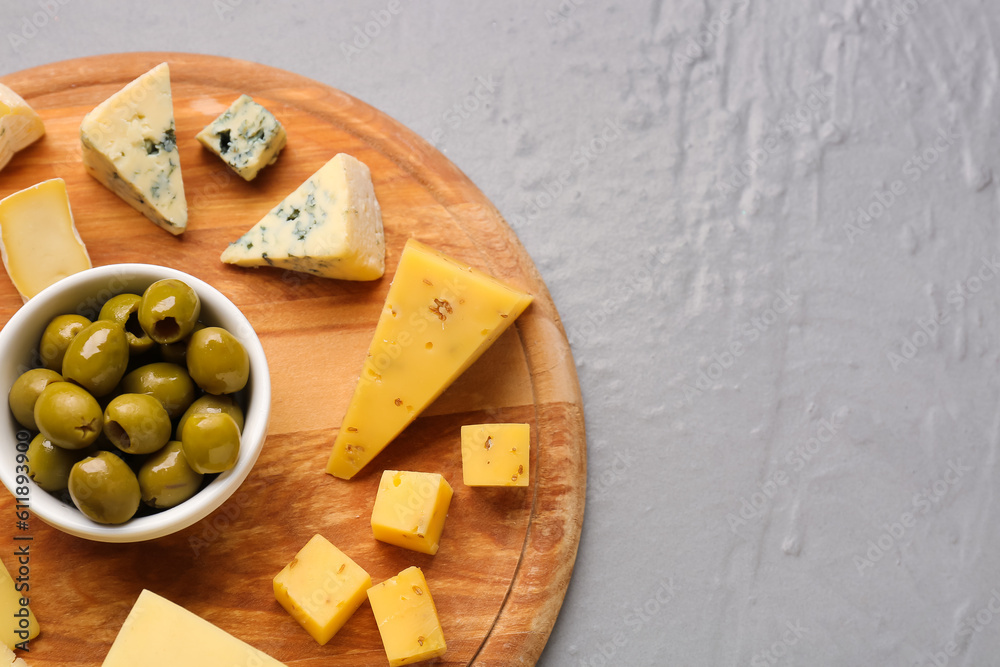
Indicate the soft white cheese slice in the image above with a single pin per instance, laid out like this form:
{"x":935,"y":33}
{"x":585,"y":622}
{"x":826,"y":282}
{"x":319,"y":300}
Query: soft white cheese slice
{"x":39,"y":243}
{"x":247,"y":137}
{"x":160,"y":633}
{"x":331,"y":226}
{"x":130,"y":146}
{"x":19,"y":124}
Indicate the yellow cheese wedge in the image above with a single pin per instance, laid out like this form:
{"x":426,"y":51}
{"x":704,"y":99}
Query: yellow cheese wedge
{"x":407,"y":618}
{"x":159,"y":633}
{"x":495,"y":454}
{"x":39,"y":243}
{"x":321,"y":588}
{"x":19,"y":624}
{"x":410,"y":509}
{"x":439,"y":317}
{"x":19,"y":124}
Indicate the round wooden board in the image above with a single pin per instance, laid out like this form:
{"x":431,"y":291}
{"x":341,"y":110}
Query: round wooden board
{"x":506,"y":555}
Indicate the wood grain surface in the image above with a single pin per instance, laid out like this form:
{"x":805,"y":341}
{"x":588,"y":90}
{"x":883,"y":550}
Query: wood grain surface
{"x":506,"y":555}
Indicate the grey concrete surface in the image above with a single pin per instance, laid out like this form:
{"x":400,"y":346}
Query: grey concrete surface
{"x":770,"y":230}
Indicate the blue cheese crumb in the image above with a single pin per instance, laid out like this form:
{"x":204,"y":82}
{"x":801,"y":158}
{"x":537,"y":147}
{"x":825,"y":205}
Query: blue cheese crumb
{"x":247,"y":137}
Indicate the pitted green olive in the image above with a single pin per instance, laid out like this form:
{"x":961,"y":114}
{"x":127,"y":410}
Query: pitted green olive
{"x":124,"y":309}
{"x":97,"y":357}
{"x":25,"y":391}
{"x":211,"y":442}
{"x":137,"y":423}
{"x":169,"y":310}
{"x":49,"y":465}
{"x":170,"y":384}
{"x":166,"y":479}
{"x":68,"y":416}
{"x":209,"y":403}
{"x":217,"y":361}
{"x":104,"y":488}
{"x":57,"y":336}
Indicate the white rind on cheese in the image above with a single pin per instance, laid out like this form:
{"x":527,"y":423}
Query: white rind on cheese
{"x":160,"y":633}
{"x":20,"y":126}
{"x":331,"y":226}
{"x":130,"y":146}
{"x":247,"y":137}
{"x":39,"y":242}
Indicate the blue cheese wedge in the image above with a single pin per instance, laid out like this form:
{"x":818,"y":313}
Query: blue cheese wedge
{"x":19,"y":125}
{"x":331,"y":226}
{"x":247,"y":137}
{"x":130,"y":146}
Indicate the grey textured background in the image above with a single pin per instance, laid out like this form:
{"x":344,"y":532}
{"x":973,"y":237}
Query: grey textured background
{"x":771,"y":231}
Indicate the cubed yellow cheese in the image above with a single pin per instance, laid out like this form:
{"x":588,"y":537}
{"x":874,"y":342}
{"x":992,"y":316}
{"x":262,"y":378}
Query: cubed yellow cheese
{"x":19,"y":623}
{"x":407,"y":618}
{"x":321,"y":588}
{"x":159,"y":633}
{"x":19,"y":124}
{"x":495,"y":454}
{"x":410,"y":509}
{"x":39,"y":243}
{"x":439,"y":317}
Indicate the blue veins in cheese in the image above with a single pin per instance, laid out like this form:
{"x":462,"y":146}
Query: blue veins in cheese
{"x":331,"y":226}
{"x":247,"y":137}
{"x":130,"y":146}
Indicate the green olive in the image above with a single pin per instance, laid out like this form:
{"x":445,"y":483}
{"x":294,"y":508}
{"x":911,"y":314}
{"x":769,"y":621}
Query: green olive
{"x":104,"y":488}
{"x":97,"y":358}
{"x":169,"y":383}
{"x":176,"y":353}
{"x":166,"y":479}
{"x":211,"y":442}
{"x":56,"y":338}
{"x":25,"y":391}
{"x":124,"y":309}
{"x":49,"y":465}
{"x":68,"y":416}
{"x":209,"y":403}
{"x":217,"y":362}
{"x":169,"y":310}
{"x":137,"y":423}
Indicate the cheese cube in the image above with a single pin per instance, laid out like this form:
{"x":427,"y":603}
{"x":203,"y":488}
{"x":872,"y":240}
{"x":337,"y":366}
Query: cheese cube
{"x":19,"y":125}
{"x":39,"y":243}
{"x":321,"y":588}
{"x":495,"y":454}
{"x":19,"y":623}
{"x":247,"y":137}
{"x":410,"y":509}
{"x":130,"y":146}
{"x":331,"y":226}
{"x":159,"y":633}
{"x":407,"y":618}
{"x":439,"y":316}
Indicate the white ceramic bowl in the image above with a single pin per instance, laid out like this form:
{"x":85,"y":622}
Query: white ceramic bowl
{"x":84,"y":293}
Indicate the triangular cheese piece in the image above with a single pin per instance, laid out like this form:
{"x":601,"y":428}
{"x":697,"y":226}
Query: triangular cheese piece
{"x":331,"y":226}
{"x":19,"y":124}
{"x":160,"y":633}
{"x":130,"y":146}
{"x":439,"y":317}
{"x":11,"y":632}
